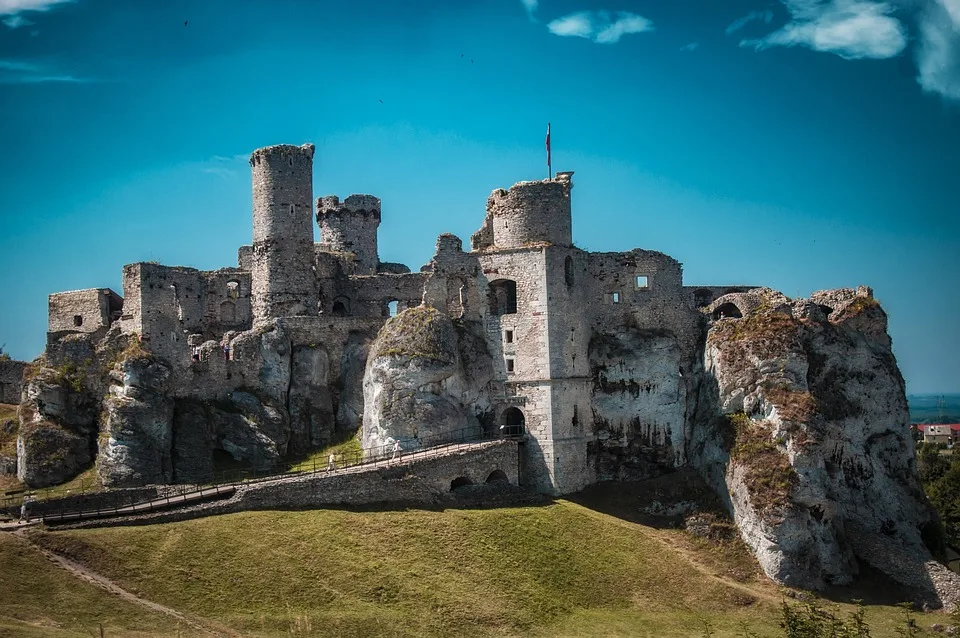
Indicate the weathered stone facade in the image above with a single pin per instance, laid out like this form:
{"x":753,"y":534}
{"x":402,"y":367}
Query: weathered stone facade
{"x":605,"y":364}
{"x":11,"y":380}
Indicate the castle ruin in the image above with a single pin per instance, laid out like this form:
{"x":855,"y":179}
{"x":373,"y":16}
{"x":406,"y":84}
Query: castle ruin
{"x":793,"y":410}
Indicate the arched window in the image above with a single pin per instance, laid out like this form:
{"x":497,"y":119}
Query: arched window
{"x":727,"y":311}
{"x":503,"y":297}
{"x":568,"y":270}
{"x":390,"y":308}
{"x":233,"y":289}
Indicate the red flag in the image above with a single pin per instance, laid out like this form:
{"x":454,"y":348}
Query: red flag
{"x":548,"y":144}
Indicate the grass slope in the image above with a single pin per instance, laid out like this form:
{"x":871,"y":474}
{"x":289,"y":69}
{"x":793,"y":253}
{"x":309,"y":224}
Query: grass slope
{"x":38,"y":598}
{"x":556,"y":570}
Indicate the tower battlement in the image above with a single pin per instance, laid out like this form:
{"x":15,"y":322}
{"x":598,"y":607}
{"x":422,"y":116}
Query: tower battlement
{"x":532,"y":212}
{"x":350,"y":226}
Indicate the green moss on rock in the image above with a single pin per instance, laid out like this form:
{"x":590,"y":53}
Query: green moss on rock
{"x":418,"y":333}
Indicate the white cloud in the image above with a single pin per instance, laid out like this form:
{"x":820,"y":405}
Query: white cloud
{"x":763,"y":16}
{"x":690,"y":47}
{"x":600,"y":26}
{"x":938,"y":52}
{"x":12,"y":7}
{"x":849,"y":28}
{"x":16,"y":21}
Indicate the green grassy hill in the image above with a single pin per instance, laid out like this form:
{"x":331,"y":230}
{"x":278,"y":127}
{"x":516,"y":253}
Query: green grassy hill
{"x":561,"y":569}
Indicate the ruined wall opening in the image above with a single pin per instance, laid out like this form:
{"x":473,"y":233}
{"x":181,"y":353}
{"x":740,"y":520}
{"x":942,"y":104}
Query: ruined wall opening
{"x":390,"y":308}
{"x":727,"y":311}
{"x":233,"y":289}
{"x":498,"y":476}
{"x":77,"y":320}
{"x":341,"y":307}
{"x":826,"y":310}
{"x":460,"y":481}
{"x":503,"y":297}
{"x":455,"y":292}
{"x":568,"y":271}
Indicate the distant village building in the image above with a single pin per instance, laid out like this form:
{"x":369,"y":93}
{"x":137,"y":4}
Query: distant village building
{"x":948,"y":433}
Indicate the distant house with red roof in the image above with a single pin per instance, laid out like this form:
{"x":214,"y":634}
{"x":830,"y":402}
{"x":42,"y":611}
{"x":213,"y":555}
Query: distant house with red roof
{"x":939,"y":432}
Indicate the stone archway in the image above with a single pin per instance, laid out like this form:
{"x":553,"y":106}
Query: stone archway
{"x":512,"y":423}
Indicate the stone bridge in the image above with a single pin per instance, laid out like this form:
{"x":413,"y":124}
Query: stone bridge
{"x":430,"y":477}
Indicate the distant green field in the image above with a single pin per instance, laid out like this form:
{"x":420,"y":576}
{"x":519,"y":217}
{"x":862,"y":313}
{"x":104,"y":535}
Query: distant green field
{"x":924,"y":408}
{"x":561,"y":569}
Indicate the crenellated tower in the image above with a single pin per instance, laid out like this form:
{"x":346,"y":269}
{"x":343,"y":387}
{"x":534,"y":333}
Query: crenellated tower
{"x":351,"y":226}
{"x":283,"y":280}
{"x":532,"y":213}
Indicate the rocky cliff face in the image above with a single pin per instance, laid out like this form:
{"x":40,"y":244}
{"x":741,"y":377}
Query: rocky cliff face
{"x":425,"y":378}
{"x":804,"y":425}
{"x":58,"y":425}
{"x":639,"y":404}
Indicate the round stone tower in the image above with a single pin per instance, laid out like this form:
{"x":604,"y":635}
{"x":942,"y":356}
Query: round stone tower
{"x":532,"y":213}
{"x":351,"y":226}
{"x":283,"y":279}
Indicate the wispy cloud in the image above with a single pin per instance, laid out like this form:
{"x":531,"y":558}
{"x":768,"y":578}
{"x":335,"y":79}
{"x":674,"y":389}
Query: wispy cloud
{"x":12,"y":7}
{"x":852,"y":29}
{"x":690,"y":47}
{"x":26,"y":72}
{"x":17,"y":21}
{"x":603,"y":27}
{"x":762,"y":16}
{"x":530,"y":6}
{"x":938,"y":52}
{"x":226,"y":168}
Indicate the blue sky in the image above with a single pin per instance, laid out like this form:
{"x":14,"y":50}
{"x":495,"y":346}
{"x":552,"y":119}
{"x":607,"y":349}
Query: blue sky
{"x":799,"y":144}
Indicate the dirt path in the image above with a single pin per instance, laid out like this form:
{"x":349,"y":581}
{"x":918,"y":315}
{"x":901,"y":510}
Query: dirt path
{"x":81,"y":572}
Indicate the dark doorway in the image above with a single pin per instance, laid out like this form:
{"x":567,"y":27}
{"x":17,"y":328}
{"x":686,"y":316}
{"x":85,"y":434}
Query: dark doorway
{"x":727,"y":311}
{"x":460,"y":481}
{"x":498,"y":476}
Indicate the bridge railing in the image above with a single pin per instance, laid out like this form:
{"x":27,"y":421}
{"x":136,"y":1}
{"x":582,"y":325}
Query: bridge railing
{"x":170,"y":495}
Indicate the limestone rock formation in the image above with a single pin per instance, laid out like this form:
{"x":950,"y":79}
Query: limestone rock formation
{"x":425,"y":379}
{"x":57,"y":426}
{"x":813,"y":447}
{"x":135,"y":442}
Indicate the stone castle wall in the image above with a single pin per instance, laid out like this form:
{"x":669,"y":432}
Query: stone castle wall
{"x":82,"y":310}
{"x":11,"y":380}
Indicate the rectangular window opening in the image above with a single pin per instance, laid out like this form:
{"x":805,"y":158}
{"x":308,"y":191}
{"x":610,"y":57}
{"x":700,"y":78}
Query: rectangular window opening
{"x":615,"y":297}
{"x":509,"y":365}
{"x":508,"y":336}
{"x":643,"y":281}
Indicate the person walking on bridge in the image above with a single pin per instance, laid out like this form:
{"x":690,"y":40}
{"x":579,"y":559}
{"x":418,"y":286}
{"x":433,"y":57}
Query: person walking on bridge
{"x":396,"y":449}
{"x":331,"y":462}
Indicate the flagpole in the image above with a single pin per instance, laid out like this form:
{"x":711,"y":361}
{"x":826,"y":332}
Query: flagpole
{"x":549,"y":165}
